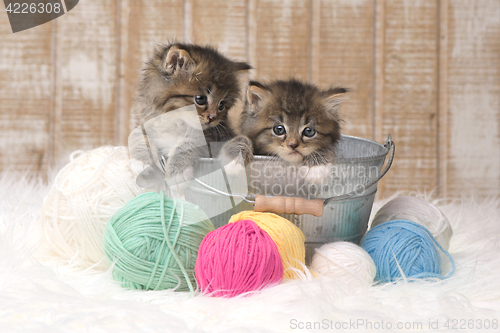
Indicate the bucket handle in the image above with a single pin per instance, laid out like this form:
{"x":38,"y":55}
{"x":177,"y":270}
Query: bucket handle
{"x":288,"y":205}
{"x":389,"y":144}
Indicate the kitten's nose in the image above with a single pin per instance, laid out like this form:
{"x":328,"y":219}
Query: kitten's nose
{"x":293,"y":144}
{"x":211,"y":117}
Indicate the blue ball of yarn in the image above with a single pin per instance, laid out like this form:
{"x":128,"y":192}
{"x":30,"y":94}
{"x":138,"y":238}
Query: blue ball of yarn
{"x":404,"y":249}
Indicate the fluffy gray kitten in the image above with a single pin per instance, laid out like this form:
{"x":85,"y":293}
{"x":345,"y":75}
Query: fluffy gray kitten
{"x":181,"y":74}
{"x":294,"y":121}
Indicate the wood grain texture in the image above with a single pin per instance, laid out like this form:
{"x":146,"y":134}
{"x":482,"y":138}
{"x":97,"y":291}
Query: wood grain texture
{"x":474,"y":98}
{"x":378,"y":71}
{"x":25,"y":96}
{"x":122,"y":105}
{"x":410,"y":93}
{"x":281,"y":42}
{"x":147,"y":24}
{"x":87,"y":46}
{"x":442,"y":176}
{"x":378,"y":74}
{"x":223,"y":24}
{"x":428,"y":72}
{"x":344,"y":56}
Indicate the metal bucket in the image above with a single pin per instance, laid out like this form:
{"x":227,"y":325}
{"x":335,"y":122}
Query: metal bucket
{"x":347,"y":195}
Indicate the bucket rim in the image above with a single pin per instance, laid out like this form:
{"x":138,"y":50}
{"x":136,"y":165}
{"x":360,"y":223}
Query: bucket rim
{"x":386,"y":150}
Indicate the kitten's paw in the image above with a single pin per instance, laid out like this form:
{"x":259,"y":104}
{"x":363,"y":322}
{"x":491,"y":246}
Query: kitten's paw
{"x":319,"y":173}
{"x":235,"y":167}
{"x":181,"y":178}
{"x":235,"y":154}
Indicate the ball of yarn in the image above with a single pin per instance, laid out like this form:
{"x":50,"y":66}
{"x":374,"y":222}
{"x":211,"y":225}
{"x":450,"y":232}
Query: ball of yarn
{"x":238,"y":258}
{"x":288,"y":238}
{"x":153,"y":241}
{"x":418,"y":211}
{"x":402,"y":249}
{"x":346,"y":262}
{"x":83,"y":197}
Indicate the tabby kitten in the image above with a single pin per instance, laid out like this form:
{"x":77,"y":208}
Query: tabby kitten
{"x":180,"y":74}
{"x":294,"y":121}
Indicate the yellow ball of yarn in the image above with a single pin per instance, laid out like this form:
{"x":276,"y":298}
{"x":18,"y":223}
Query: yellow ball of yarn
{"x":288,"y":238}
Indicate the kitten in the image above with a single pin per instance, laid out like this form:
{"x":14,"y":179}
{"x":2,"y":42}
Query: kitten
{"x":157,"y":140}
{"x":180,"y":74}
{"x":294,"y":121}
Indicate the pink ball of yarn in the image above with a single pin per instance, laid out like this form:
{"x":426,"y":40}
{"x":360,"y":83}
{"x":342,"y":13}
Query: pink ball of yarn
{"x":237,"y":258}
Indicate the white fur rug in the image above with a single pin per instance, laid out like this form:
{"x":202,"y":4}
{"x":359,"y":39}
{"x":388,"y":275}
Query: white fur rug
{"x":48,"y":296}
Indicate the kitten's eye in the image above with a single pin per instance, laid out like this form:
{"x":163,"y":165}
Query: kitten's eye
{"x":279,"y":130}
{"x":201,"y":99}
{"x":222,"y":105}
{"x":309,"y":132}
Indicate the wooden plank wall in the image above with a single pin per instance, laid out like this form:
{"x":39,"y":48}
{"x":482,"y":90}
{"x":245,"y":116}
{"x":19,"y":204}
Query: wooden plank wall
{"x":409,"y":107}
{"x":473,"y":83}
{"x":26,"y":95}
{"x":427,"y":72}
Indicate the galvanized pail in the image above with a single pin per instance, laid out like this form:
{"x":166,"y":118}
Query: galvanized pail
{"x":346,"y":197}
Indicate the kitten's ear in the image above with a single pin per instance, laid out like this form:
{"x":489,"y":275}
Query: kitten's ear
{"x":178,"y":60}
{"x":242,"y":66}
{"x":256,"y":96}
{"x":242,"y":70}
{"x":333,"y":99}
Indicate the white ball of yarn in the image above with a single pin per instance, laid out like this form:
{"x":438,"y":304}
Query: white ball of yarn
{"x":84,"y":196}
{"x":345,"y":261}
{"x":419,"y":211}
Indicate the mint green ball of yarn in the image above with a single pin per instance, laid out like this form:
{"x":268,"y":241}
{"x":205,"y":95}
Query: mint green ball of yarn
{"x":152,"y":242}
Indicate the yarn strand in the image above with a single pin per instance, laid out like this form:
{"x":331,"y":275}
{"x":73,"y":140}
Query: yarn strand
{"x":166,"y":232}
